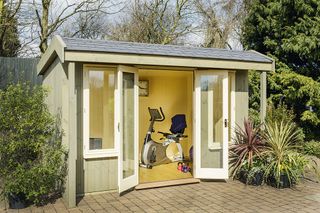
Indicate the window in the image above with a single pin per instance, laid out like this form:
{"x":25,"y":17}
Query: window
{"x":99,"y":87}
{"x":212,"y":123}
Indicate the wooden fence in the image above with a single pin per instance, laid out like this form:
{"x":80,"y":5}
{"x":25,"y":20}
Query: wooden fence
{"x":14,"y":70}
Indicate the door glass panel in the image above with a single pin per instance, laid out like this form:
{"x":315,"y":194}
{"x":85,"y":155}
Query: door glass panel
{"x":128,"y":124}
{"x":211,"y":121}
{"x":101,"y":107}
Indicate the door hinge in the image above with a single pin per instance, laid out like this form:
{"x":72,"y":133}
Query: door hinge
{"x":118,"y":127}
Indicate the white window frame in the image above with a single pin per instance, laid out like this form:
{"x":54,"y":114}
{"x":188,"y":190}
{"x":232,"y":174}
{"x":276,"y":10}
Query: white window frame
{"x":98,"y":153}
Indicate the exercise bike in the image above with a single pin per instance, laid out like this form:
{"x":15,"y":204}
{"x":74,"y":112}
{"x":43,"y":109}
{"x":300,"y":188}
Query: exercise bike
{"x":155,"y":153}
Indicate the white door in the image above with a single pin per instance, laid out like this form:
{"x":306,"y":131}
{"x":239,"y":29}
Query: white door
{"x":211,"y":133}
{"x":127,"y":128}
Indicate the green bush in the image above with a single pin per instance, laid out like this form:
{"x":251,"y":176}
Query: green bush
{"x":312,"y":148}
{"x":281,"y":113}
{"x":32,"y":158}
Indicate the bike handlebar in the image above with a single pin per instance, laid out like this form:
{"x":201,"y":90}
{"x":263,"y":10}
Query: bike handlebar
{"x":156,"y":115}
{"x":162,"y":115}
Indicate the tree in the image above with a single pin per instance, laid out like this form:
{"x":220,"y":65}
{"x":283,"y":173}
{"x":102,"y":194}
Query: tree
{"x":64,"y":11}
{"x":159,"y":21}
{"x":287,"y":29}
{"x":9,"y":37}
{"x":92,"y":24}
{"x":299,"y":92}
{"x":219,"y":20}
{"x":88,"y":25}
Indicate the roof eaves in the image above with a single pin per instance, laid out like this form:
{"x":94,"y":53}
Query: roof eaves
{"x":55,"y":49}
{"x":176,"y":56}
{"x":271,"y":59}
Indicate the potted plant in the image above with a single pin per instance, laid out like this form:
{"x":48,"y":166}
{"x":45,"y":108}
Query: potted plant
{"x":246,"y":149}
{"x":254,"y":174}
{"x":285,"y":165}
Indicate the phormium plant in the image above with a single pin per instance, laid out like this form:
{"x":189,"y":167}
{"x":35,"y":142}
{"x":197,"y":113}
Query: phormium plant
{"x":247,"y":145}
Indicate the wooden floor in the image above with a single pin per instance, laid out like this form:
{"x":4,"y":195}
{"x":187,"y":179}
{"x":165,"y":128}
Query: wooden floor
{"x":162,"y":173}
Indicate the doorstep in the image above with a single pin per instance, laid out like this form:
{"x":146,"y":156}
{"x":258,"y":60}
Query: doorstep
{"x":167,"y":183}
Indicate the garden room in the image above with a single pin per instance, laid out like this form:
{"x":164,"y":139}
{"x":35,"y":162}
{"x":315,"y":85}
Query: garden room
{"x":106,"y":92}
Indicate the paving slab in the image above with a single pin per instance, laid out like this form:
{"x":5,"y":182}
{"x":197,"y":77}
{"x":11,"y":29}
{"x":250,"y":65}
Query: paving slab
{"x":208,"y":196}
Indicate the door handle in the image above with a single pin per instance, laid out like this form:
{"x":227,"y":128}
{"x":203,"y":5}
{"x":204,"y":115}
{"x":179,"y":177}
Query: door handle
{"x":225,"y":122}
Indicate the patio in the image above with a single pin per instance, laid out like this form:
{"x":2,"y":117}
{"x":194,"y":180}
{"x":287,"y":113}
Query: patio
{"x":231,"y":196}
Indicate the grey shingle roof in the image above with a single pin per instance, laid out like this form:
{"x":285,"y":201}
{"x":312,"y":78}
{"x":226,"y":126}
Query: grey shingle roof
{"x":75,"y":44}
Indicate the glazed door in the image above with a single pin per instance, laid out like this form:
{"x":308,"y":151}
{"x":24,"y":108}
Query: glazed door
{"x":211,"y":122}
{"x":127,"y":127}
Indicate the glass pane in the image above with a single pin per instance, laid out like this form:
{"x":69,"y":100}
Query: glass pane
{"x":211,"y":121}
{"x":101,"y":84}
{"x":128,"y":124}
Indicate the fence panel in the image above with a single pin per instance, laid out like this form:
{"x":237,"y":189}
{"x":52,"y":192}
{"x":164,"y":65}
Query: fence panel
{"x":14,"y":70}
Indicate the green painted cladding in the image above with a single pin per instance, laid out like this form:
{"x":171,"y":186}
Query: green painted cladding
{"x":241,"y":96}
{"x":100,"y":175}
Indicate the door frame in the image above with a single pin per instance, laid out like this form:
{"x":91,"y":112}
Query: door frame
{"x":210,"y":173}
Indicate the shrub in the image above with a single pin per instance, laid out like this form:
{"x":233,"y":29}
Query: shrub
{"x":254,"y":116}
{"x":281,"y":113}
{"x":312,"y":148}
{"x":31,"y":153}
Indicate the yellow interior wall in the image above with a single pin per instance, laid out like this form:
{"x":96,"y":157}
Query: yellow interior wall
{"x":171,"y":90}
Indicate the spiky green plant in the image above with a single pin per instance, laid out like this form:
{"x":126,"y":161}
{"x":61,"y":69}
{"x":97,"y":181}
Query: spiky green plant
{"x":281,"y":154}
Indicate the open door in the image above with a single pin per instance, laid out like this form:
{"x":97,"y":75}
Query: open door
{"x":211,"y":123}
{"x":127,"y":117}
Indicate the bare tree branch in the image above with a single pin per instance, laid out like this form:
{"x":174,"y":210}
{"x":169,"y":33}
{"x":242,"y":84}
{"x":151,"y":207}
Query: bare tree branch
{"x":159,"y":21}
{"x":50,"y":23}
{"x":219,"y":21}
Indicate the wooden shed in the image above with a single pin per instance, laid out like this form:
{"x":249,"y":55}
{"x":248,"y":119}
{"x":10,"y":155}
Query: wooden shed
{"x":102,"y":90}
